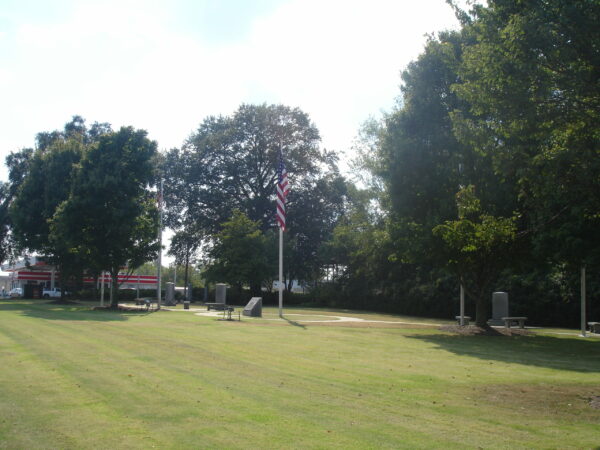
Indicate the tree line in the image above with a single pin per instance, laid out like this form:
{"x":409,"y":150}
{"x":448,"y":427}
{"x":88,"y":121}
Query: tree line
{"x":486,"y":174}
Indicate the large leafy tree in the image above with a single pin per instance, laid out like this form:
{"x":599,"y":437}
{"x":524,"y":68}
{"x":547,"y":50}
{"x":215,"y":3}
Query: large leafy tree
{"x":423,"y":165}
{"x":231,"y":163}
{"x":531,"y":79}
{"x":110,"y":218}
{"x":18,"y":166}
{"x":41,"y":180}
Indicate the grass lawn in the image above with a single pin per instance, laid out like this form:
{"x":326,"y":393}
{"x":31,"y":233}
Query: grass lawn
{"x":71,"y":377}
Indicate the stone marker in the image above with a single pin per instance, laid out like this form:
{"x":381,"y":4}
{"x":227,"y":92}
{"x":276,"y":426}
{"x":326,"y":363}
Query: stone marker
{"x":499,"y":308}
{"x":254,"y":307}
{"x":221,"y":293}
{"x":169,"y":293}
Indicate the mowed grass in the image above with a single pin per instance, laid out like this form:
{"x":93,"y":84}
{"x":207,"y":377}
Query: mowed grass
{"x":71,"y":377}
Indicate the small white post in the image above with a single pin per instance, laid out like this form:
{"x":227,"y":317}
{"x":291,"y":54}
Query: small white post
{"x":102,"y":289}
{"x":583,"y":320}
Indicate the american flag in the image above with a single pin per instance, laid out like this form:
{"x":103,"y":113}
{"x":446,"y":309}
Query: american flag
{"x":282,"y":191}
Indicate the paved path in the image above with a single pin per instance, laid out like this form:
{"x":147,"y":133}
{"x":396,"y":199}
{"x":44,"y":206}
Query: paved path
{"x":328,"y":319}
{"x":337,"y":319}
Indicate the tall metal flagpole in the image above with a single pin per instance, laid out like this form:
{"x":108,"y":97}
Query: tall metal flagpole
{"x":462,"y":305}
{"x":280,"y":272}
{"x":282,"y":191}
{"x":159,"y":259}
{"x":583,"y":320}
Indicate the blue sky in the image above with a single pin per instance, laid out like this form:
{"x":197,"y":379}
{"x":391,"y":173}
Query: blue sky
{"x":164,"y":65}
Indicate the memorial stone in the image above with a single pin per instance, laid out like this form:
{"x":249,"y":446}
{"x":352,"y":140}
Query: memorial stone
{"x":221,"y":293}
{"x":254,"y":307}
{"x":169,"y":293}
{"x":499,"y":308}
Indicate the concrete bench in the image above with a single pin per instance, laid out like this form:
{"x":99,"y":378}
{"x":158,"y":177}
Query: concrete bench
{"x":594,"y":327}
{"x":508,"y":321}
{"x":465,"y":321}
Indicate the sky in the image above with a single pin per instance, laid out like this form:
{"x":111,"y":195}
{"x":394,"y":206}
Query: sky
{"x":165,"y":65}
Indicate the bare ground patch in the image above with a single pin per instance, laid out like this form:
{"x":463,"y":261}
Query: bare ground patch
{"x":545,"y":399}
{"x":472,"y":330}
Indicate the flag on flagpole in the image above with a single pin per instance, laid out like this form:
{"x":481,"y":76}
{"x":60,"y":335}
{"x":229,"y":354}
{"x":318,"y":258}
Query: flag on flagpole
{"x":282,"y":191}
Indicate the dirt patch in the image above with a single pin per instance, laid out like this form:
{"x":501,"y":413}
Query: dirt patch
{"x":472,"y":330}
{"x":550,"y":400}
{"x":63,"y":302}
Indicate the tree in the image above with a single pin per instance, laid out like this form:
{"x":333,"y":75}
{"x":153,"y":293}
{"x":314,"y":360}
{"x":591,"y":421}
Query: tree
{"x":476,"y":247}
{"x":18,"y":165}
{"x":242,"y":255}
{"x":314,"y":209}
{"x":110,"y":218}
{"x":231,"y":163}
{"x":530,"y":79}
{"x":184,"y":245}
{"x":46,"y":185}
{"x":42,"y":183}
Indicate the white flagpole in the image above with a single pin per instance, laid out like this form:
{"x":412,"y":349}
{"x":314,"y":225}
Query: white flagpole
{"x":462,"y":305}
{"x":280,"y":272}
{"x":583,"y":320}
{"x":159,"y":260}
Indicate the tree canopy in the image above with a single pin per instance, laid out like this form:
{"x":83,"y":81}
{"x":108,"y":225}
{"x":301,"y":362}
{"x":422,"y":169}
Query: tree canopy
{"x":110,"y":218}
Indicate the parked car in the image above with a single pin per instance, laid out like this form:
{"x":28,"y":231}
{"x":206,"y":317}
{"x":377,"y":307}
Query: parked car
{"x":54,"y":293}
{"x":16,"y":292}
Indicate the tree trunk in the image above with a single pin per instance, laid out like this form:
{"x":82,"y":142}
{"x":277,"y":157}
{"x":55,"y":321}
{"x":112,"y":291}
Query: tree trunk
{"x":185,"y":285}
{"x":114,"y":289}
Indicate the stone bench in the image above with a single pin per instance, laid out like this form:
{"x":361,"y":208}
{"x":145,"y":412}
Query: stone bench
{"x":216,"y":306}
{"x":594,"y":327}
{"x":465,"y":321}
{"x":508,"y":321}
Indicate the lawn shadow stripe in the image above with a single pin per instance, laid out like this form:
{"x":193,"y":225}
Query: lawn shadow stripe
{"x":570,"y":354}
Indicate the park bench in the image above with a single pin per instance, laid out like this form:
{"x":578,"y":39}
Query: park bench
{"x":466,"y":319}
{"x":228,"y":311}
{"x":594,"y":327}
{"x":508,"y":321}
{"x":216,"y":306}
{"x":143,"y":302}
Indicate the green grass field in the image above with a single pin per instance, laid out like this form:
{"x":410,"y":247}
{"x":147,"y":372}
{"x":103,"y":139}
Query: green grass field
{"x":71,"y":377}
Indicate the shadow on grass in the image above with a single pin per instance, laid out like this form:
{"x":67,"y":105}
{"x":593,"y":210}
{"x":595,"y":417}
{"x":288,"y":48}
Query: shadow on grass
{"x":541,"y":351}
{"x":80,"y":312}
{"x":292,"y":322}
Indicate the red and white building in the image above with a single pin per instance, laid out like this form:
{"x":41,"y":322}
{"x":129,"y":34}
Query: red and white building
{"x":38,"y":272}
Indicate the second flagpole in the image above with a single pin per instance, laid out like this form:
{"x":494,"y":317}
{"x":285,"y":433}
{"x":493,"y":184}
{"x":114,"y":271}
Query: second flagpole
{"x":280,"y":272}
